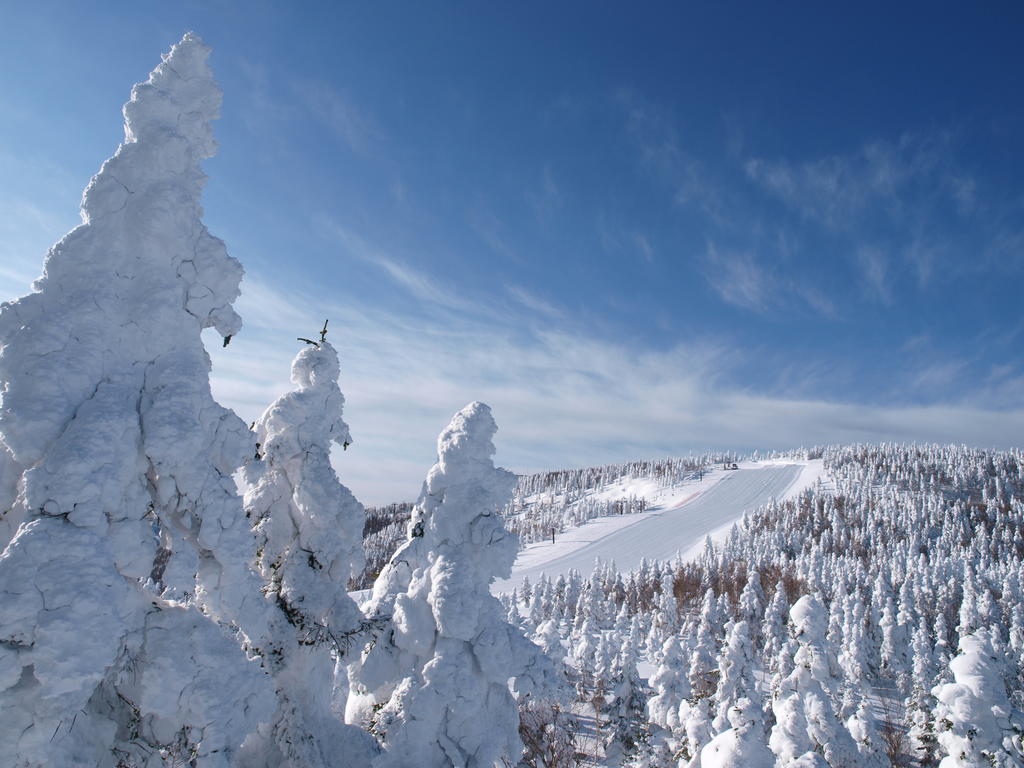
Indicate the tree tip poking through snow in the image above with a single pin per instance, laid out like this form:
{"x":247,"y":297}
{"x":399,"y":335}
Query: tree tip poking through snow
{"x":316,"y":367}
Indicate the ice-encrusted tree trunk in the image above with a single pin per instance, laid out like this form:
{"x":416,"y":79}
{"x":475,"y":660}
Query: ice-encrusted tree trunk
{"x":441,"y":671}
{"x":308,"y":530}
{"x":124,"y":467}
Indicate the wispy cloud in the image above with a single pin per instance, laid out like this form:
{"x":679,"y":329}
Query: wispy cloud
{"x":416,"y":283}
{"x":739,"y":279}
{"x":490,"y":229}
{"x":533,"y":302}
{"x":905,"y":212}
{"x":661,"y":151}
{"x":619,"y":239}
{"x":351,"y":123}
{"x":546,"y":199}
{"x":875,"y":274}
{"x":560,"y":397}
{"x":891,"y":178}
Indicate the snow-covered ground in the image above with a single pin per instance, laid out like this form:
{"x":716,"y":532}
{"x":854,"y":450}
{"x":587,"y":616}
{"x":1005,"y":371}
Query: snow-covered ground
{"x":677,"y":521}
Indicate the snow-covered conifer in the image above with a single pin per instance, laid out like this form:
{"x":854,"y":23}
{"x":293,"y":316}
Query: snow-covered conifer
{"x":920,"y":724}
{"x":584,"y":646}
{"x":308,"y":529}
{"x":895,"y":646}
{"x":671,"y":686}
{"x":703,"y":669}
{"x":125,"y":466}
{"x":512,"y":615}
{"x":667,"y":603}
{"x":444,"y":667}
{"x":969,"y":618}
{"x":736,"y":675}
{"x":976,"y":723}
{"x":695,"y":721}
{"x":604,"y":665}
{"x":751,"y":607}
{"x":550,"y":641}
{"x":864,"y":730}
{"x":940,"y":651}
{"x":805,"y":718}
{"x":773,"y":627}
{"x":628,"y":703}
{"x":742,"y":745}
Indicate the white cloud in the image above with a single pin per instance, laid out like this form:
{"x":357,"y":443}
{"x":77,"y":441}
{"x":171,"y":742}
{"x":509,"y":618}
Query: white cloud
{"x":561,"y":398}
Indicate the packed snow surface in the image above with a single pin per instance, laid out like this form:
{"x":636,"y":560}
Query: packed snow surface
{"x":675,"y":527}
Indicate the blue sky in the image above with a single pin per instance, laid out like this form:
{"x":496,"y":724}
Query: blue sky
{"x":633,"y":231}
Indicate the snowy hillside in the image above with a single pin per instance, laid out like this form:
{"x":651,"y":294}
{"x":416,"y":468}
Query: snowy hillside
{"x":676,"y":519}
{"x":580,"y":506}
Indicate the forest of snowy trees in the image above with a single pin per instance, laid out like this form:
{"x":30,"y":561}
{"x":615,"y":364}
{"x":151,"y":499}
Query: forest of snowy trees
{"x":880,"y":622}
{"x":174,"y":586}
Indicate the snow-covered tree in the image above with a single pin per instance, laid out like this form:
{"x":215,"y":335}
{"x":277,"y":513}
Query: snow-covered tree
{"x":736,"y":675}
{"x":975,"y":721}
{"x":742,"y":745}
{"x":806,"y":721}
{"x":751,"y":608}
{"x":695,"y":722}
{"x":550,"y":641}
{"x":442,"y":669}
{"x":773,"y":627}
{"x":864,"y":730}
{"x":895,"y":645}
{"x":125,"y":464}
{"x":628,"y":701}
{"x":920,"y":723}
{"x":671,"y":686}
{"x":703,"y":664}
{"x":308,"y":529}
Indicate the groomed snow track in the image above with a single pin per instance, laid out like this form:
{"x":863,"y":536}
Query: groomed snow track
{"x":659,"y":534}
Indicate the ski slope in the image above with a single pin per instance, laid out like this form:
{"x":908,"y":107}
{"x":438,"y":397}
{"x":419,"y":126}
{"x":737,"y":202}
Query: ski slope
{"x":660,"y":533}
